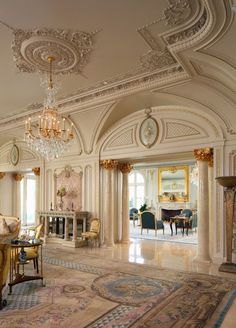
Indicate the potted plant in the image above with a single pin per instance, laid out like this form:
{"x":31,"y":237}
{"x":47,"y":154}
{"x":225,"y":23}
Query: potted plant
{"x":143,"y":207}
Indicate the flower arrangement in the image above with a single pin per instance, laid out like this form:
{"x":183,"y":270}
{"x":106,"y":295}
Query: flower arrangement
{"x":61,"y":192}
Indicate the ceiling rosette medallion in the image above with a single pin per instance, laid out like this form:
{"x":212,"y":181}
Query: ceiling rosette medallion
{"x":72,"y":50}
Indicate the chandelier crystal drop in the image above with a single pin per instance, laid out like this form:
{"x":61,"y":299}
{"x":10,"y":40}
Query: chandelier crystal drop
{"x":49,"y":136}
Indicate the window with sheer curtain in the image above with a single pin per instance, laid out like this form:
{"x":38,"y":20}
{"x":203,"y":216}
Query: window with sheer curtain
{"x":136,"y":190}
{"x":28,"y":199}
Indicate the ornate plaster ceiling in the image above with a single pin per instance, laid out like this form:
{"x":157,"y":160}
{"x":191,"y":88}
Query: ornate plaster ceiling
{"x":107,"y":50}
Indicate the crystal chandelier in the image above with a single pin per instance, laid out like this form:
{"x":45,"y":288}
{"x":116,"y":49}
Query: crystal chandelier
{"x":49,"y":136}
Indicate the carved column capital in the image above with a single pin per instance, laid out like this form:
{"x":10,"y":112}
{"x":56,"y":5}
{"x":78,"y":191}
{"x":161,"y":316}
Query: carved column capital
{"x":18,"y":177}
{"x":125,"y":167}
{"x":36,"y":170}
{"x":211,"y":161}
{"x":2,"y":174}
{"x":204,"y":154}
{"x":108,"y":164}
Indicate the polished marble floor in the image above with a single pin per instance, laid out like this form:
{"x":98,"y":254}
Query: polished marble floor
{"x":175,"y":256}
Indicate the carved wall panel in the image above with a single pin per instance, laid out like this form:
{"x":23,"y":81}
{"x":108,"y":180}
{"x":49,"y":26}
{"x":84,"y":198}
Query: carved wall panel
{"x":71,"y":182}
{"x":121,"y":139}
{"x":174,"y":130}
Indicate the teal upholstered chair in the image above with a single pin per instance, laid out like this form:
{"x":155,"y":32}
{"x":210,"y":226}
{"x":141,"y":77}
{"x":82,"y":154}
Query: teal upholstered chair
{"x":148,"y":221}
{"x":133,"y":214}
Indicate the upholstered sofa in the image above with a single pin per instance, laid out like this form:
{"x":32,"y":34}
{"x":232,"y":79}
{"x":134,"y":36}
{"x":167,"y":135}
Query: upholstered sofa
{"x":4,"y":269}
{"x":9,"y":227}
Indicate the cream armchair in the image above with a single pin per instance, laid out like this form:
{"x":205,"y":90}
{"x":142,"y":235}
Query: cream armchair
{"x":93,"y":235}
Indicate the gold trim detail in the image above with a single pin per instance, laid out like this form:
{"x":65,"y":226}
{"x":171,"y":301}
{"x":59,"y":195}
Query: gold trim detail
{"x":2,"y":175}
{"x":203,"y":154}
{"x":211,"y":161}
{"x":36,"y":170}
{"x":18,"y":176}
{"x":108,"y":164}
{"x":125,"y":167}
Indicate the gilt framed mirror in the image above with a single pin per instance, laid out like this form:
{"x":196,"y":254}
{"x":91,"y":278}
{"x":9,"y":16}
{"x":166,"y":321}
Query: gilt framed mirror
{"x":173,"y":184}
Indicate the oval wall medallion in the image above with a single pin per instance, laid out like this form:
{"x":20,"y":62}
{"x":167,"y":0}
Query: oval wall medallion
{"x":149,"y":130}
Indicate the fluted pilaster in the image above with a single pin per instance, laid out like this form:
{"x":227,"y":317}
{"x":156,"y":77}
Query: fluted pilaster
{"x":125,"y":168}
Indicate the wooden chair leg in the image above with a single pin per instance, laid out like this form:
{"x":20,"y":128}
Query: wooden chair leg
{"x":37,"y":264}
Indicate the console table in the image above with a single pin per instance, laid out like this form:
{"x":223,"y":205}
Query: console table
{"x":74,"y":216}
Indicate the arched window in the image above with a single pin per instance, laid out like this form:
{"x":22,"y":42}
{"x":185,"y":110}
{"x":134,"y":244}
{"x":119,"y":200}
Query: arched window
{"x":136,"y":190}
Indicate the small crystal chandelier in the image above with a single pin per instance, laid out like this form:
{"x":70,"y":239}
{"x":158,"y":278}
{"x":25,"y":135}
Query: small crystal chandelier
{"x":49,"y":136}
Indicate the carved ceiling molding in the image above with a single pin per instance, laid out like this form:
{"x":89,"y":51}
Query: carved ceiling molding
{"x":178,"y":13}
{"x":172,"y":75}
{"x":155,"y":59}
{"x":71,"y":49}
{"x":158,"y":67}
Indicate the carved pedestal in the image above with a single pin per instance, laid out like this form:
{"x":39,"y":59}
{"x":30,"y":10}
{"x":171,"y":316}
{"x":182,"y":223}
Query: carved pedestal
{"x":230,"y":192}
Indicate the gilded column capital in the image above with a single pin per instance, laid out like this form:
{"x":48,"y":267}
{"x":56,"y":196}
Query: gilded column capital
{"x":211,"y":161}
{"x":18,"y":177}
{"x":36,"y":170}
{"x":204,"y":154}
{"x":2,"y":175}
{"x":109,"y":164}
{"x":125,"y":167}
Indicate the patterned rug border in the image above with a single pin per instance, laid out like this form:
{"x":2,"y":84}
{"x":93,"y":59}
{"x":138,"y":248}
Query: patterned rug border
{"x":225,"y":310}
{"x":47,"y":259}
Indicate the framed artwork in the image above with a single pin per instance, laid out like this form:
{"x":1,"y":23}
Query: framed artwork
{"x":149,"y":132}
{"x":173,"y":184}
{"x":14,"y":155}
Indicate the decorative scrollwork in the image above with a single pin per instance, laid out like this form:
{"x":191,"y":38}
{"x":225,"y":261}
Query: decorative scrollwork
{"x":178,"y":12}
{"x":157,"y":59}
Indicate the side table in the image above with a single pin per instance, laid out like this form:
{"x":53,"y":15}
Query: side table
{"x":18,"y":262}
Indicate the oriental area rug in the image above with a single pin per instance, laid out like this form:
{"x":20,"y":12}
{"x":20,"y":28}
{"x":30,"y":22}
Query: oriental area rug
{"x":100,"y":293}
